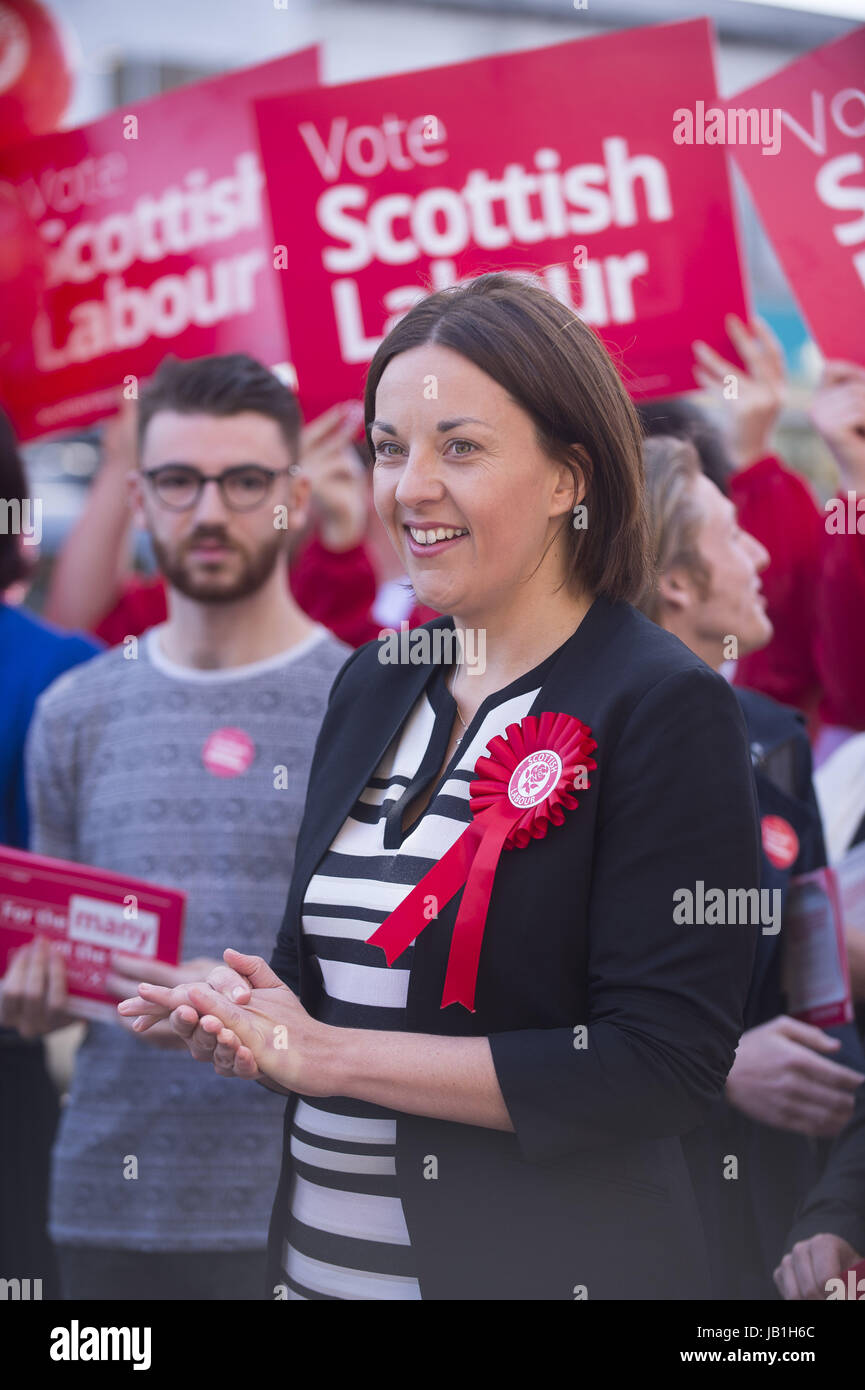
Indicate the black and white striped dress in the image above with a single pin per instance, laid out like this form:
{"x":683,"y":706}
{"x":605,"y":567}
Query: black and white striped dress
{"x":346,"y":1231}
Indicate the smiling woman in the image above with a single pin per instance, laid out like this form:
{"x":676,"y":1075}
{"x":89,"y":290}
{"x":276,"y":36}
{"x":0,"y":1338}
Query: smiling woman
{"x":491,"y":1030}
{"x":561,"y":420}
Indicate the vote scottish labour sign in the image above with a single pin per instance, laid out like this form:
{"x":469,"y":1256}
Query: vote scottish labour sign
{"x":140,"y":234}
{"x":561,"y":161}
{"x":811,"y":194}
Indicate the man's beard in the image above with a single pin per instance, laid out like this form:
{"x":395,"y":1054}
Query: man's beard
{"x":254,"y":572}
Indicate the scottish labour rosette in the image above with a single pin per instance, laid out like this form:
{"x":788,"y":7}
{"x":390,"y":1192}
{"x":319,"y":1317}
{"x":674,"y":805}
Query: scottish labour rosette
{"x":524,"y":785}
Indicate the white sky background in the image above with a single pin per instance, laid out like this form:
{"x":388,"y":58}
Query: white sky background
{"x":842,"y":9}
{"x":361,"y":38}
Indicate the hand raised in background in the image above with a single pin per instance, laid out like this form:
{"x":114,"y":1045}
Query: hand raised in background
{"x":752,"y":397}
{"x":339,"y":482}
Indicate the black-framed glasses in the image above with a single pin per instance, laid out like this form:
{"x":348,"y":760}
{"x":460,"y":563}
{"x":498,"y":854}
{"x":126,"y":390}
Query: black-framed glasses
{"x":178,"y":486}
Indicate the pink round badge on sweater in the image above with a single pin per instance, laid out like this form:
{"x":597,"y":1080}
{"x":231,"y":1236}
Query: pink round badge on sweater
{"x":228,"y":752}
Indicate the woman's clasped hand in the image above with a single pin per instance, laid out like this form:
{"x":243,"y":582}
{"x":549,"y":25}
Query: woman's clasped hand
{"x":243,"y":1019}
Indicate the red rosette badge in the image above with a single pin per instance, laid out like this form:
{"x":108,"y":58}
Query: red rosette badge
{"x":525,"y":784}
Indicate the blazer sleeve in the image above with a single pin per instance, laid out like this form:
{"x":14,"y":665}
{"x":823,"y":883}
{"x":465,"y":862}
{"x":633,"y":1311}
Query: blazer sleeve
{"x":284,"y":960}
{"x":665,"y":1001}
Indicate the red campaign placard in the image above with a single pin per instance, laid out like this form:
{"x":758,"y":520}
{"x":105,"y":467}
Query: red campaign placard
{"x":811,"y":193}
{"x":88,"y":914}
{"x":142,"y":234}
{"x":380,"y":190}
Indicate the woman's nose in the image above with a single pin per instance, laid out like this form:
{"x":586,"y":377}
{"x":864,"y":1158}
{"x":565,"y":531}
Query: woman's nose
{"x":419,"y":479}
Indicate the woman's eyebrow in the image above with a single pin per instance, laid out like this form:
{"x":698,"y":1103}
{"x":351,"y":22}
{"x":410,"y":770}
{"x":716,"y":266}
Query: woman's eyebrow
{"x":443,"y":425}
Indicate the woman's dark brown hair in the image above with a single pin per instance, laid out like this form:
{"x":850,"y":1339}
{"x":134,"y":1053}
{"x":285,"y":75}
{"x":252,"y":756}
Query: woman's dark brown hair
{"x":559,"y":372}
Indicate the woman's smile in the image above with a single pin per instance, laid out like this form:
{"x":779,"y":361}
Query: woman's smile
{"x":432,"y":537}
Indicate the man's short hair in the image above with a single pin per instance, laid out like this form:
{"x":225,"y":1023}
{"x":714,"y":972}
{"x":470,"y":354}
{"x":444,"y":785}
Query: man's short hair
{"x":221,"y":385}
{"x":679,"y":419}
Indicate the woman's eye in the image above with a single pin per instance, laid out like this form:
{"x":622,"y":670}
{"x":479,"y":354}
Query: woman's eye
{"x":383,"y":449}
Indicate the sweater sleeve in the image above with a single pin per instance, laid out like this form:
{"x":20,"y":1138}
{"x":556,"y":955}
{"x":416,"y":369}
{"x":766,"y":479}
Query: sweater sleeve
{"x":776,"y":506}
{"x":665,"y":1000}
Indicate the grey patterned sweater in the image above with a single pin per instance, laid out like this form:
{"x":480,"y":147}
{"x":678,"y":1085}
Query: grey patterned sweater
{"x":195,"y":779}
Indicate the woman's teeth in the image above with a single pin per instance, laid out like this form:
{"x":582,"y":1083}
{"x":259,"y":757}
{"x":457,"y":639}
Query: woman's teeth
{"x":442,"y":533}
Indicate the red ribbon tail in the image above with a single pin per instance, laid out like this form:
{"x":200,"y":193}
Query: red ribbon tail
{"x":468,"y":934}
{"x":442,"y":882}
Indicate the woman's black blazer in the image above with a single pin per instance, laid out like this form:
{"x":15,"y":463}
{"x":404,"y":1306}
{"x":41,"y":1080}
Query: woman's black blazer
{"x":590,"y":1196}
